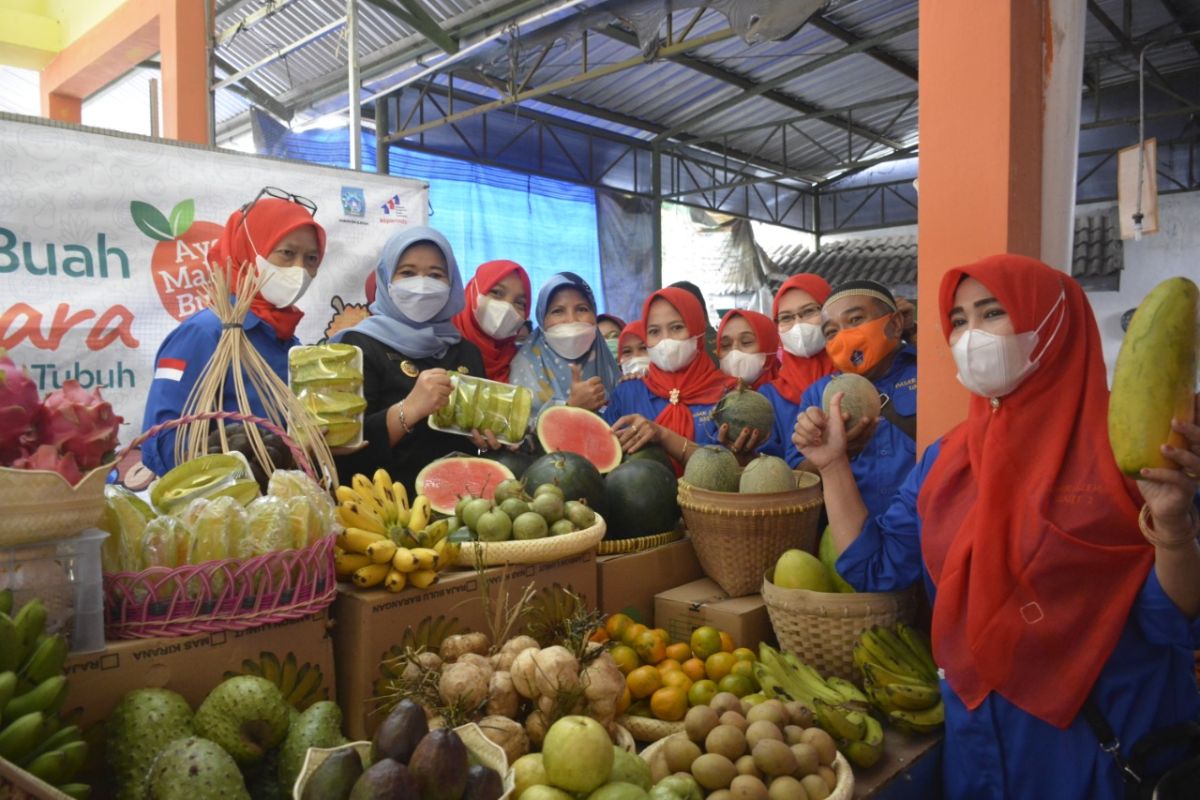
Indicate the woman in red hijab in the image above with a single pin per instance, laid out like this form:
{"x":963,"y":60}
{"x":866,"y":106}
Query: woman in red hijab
{"x":672,"y":405}
{"x":748,"y":350}
{"x":276,"y":234}
{"x":1047,"y":588}
{"x":497,"y":305}
{"x":631,"y":351}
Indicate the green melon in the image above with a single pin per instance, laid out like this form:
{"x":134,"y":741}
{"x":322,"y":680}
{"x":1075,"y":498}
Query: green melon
{"x":714,"y":468}
{"x":861,"y":397}
{"x":767,"y":475}
{"x":641,"y":500}
{"x":575,"y":475}
{"x":744,"y":408}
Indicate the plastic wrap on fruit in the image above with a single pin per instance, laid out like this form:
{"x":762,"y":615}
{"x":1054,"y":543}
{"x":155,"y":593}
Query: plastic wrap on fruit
{"x":166,"y":542}
{"x":268,"y":528}
{"x":125,"y":518}
{"x":217,"y":528}
{"x":332,"y":403}
{"x":338,"y":430}
{"x":677,"y":787}
{"x":327,"y":353}
{"x":302,"y":520}
{"x":288,"y":483}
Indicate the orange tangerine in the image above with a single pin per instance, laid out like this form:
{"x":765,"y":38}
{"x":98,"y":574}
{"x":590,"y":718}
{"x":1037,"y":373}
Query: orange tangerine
{"x":702,"y":692}
{"x":668,"y":664}
{"x":706,"y":640}
{"x":680,"y":651}
{"x":644,"y":681}
{"x":745,"y":654}
{"x":626,"y":658}
{"x":694,"y":669}
{"x":738,"y":685}
{"x":675,"y":677}
{"x":718,"y":665}
{"x":727,"y":642}
{"x":632,"y":632}
{"x":651,"y":648}
{"x":616,"y":625}
{"x":625,"y":700}
{"x":599,"y":636}
{"x":669,"y":703}
{"x":745,"y":669}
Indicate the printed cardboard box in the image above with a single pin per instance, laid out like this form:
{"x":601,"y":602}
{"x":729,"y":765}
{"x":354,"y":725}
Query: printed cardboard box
{"x":683,"y":609}
{"x":629,"y":581}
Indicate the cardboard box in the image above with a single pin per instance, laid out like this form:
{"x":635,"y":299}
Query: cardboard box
{"x":368,"y":624}
{"x":683,"y":609}
{"x":192,"y":665}
{"x":629,"y":581}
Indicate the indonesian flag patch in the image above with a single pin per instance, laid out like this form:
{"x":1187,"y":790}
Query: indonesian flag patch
{"x":170,"y":369}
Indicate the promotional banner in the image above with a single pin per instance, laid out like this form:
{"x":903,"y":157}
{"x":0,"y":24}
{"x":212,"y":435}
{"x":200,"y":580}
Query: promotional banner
{"x":103,"y":241}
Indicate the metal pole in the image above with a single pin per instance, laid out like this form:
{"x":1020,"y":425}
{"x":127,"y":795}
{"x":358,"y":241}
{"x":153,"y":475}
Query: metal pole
{"x":154,"y":107}
{"x":353,"y":84}
{"x":382,"y":123}
{"x":656,"y":191}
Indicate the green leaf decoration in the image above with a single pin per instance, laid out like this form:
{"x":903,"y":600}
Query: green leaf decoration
{"x":182,"y":216}
{"x":150,"y":221}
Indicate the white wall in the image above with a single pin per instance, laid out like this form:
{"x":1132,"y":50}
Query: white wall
{"x":1174,"y":250}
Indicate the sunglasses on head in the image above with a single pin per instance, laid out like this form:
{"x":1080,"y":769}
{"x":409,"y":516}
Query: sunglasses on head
{"x":280,"y":194}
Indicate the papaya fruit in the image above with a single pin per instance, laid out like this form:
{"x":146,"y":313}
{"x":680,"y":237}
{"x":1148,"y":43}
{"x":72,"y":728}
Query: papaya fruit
{"x":1155,"y":377}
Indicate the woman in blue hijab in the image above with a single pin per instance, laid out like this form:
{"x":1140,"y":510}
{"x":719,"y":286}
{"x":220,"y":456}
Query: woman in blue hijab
{"x":410,"y":346}
{"x":566,"y":361}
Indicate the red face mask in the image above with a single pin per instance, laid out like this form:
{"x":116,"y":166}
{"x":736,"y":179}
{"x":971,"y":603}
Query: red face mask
{"x":860,"y":349}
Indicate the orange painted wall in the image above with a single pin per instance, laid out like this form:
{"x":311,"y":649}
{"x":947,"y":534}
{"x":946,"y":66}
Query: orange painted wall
{"x":980,"y":167}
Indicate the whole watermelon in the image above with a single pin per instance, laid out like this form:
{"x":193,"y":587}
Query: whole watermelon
{"x":515,"y":460}
{"x":641,"y":500}
{"x":575,"y":475}
{"x":652,"y":452}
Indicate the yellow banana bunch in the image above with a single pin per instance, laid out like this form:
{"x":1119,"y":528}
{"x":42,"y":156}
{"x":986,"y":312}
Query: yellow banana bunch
{"x":373,"y":504}
{"x":421,"y":512}
{"x":900,"y":677}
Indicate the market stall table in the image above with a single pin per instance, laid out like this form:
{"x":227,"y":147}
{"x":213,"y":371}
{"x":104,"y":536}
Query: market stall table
{"x":911,"y":769}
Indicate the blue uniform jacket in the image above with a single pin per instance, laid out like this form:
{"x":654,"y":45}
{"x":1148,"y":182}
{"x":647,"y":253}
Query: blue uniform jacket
{"x":177,"y":367}
{"x":785,"y":421}
{"x":890,"y":454}
{"x":632,"y":397}
{"x":998,"y":750}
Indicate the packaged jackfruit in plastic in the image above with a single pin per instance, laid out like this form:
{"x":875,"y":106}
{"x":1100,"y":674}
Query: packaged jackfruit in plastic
{"x":289,"y":483}
{"x":268,"y":528}
{"x":125,"y":518}
{"x":483,"y":405}
{"x":328,"y":380}
{"x":166,"y":542}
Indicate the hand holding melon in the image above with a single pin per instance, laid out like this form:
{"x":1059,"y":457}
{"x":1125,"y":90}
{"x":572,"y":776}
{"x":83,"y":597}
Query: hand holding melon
{"x":821,"y":437}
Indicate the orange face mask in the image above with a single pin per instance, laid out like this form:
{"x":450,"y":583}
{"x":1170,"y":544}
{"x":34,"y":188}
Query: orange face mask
{"x":860,"y":349}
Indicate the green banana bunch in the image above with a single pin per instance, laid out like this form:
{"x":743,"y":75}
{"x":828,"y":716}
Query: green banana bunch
{"x":783,"y":674}
{"x":6,"y":601}
{"x":900,"y":677}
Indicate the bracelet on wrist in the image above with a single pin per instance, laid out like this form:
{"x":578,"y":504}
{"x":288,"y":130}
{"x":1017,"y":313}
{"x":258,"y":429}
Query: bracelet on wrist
{"x":402,"y":419}
{"x":1167,"y":542}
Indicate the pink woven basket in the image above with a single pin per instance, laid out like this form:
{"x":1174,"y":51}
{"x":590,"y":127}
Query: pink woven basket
{"x":231,"y":594}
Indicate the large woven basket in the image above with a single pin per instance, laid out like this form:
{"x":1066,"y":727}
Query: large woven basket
{"x":822,"y":627}
{"x":648,"y":729}
{"x":610,"y":547}
{"x":41,"y":506}
{"x":739,"y":536}
{"x":229,"y":594}
{"x":532,"y":551}
{"x":841,"y":768}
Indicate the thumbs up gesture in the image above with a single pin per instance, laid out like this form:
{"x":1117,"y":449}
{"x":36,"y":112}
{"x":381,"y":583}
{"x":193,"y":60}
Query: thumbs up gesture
{"x":587,"y":393}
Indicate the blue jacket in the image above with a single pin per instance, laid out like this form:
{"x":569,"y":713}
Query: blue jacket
{"x":890,"y":454}
{"x":632,"y":397}
{"x":785,"y":422}
{"x":998,"y":750}
{"x":180,"y":360}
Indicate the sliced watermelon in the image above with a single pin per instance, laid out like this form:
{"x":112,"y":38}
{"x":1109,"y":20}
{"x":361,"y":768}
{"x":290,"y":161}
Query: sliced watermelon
{"x":446,"y":480}
{"x":577,"y":430}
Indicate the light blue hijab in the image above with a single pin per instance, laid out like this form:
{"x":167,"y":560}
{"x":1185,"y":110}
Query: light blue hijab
{"x":544,"y":372}
{"x":388,"y":325}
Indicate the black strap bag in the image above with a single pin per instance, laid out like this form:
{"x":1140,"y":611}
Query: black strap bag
{"x":1180,"y":744}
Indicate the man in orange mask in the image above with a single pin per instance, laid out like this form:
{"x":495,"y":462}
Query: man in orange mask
{"x":863,"y":334}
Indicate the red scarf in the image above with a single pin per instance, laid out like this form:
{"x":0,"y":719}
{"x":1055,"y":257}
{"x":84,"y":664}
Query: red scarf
{"x":768,"y":341}
{"x":795,"y":372}
{"x":1024,"y":511}
{"x":699,"y":382}
{"x":634,"y":330}
{"x":497,"y":353}
{"x":269,"y":220}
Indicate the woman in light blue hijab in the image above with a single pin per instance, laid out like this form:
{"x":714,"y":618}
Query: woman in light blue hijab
{"x":410,"y":346}
{"x":566,"y":361}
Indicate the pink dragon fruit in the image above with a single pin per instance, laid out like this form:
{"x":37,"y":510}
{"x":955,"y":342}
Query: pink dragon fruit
{"x":46,"y":457}
{"x":78,"y":423}
{"x":19,"y":406}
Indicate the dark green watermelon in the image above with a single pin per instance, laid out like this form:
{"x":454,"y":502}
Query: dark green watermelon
{"x":575,"y":475}
{"x":516,"y":461}
{"x":652,"y":452}
{"x":641,"y":500}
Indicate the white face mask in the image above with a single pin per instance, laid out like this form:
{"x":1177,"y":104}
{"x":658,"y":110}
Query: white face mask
{"x":672,"y":355}
{"x":283,"y":285}
{"x":571,"y":339}
{"x":498,"y":318}
{"x":746,"y":366}
{"x":635,"y":366}
{"x":994,"y":365}
{"x":803,"y":339}
{"x":420,"y":298}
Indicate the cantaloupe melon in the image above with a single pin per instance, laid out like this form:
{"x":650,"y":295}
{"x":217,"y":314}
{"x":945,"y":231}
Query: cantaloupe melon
{"x":861,"y":397}
{"x":714,"y":468}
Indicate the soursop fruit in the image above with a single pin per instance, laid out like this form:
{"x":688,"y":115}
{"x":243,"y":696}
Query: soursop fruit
{"x":196,"y":769}
{"x":245,"y":715}
{"x":319,"y":726}
{"x":142,"y":724}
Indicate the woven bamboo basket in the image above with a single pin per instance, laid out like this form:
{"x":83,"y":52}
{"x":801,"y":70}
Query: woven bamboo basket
{"x":648,"y":729}
{"x":533,"y":551}
{"x":822,"y":627}
{"x":739,"y":536}
{"x":844,"y":789}
{"x":40,"y":506}
{"x":610,"y":547}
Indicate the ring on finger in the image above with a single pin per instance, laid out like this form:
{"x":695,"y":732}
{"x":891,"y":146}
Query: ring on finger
{"x":1191,"y":475}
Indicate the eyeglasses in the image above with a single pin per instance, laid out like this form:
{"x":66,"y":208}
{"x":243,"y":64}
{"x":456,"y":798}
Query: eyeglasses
{"x":280,"y":194}
{"x":788,"y":318}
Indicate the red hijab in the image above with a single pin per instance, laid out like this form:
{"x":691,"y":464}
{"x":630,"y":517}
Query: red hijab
{"x":768,"y":341}
{"x":797,"y":373}
{"x":1024,"y":511}
{"x":268,"y":221}
{"x":699,"y":382}
{"x":497,"y":353}
{"x":634,"y":330}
